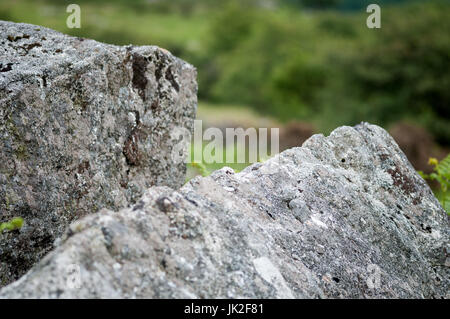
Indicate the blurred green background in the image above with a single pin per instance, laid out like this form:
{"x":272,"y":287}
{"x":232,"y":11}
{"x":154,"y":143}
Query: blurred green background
{"x":305,"y":66}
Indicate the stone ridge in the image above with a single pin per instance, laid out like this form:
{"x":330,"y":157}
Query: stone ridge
{"x":344,"y":216}
{"x":83,"y":126}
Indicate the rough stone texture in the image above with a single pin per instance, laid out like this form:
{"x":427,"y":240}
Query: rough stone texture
{"x":83,"y":126}
{"x":342,"y":216}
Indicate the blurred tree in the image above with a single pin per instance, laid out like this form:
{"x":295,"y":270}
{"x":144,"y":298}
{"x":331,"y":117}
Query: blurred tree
{"x":404,"y":72}
{"x":230,"y":27}
{"x":294,"y":85}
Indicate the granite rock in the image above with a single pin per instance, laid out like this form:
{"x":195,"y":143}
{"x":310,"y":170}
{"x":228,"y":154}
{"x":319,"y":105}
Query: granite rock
{"x":343,"y":216}
{"x":83,"y":126}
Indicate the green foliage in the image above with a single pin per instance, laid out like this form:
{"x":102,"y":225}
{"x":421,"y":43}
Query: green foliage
{"x":331,"y":69}
{"x":401,"y":71}
{"x":441,"y":174}
{"x":13,"y":224}
{"x":293,"y":86}
{"x":265,"y":61}
{"x":205,"y":168}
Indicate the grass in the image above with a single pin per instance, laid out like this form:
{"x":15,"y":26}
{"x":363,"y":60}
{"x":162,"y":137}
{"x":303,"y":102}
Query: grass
{"x":217,"y":115}
{"x":441,"y":174}
{"x":205,"y":169}
{"x":242,"y":115}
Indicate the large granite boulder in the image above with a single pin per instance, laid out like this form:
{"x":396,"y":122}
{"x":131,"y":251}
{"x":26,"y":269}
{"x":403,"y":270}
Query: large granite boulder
{"x":342,"y":216}
{"x":83,"y":126}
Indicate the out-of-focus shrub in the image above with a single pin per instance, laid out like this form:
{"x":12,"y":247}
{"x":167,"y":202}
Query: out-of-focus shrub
{"x":404,"y":72}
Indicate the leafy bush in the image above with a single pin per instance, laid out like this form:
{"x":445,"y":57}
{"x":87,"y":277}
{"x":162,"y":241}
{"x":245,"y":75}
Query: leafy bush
{"x":263,"y":59}
{"x":441,"y":174}
{"x":402,"y":71}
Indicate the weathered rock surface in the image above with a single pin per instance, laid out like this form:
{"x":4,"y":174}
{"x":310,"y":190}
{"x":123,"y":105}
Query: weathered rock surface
{"x":341,"y":216}
{"x":83,"y":126}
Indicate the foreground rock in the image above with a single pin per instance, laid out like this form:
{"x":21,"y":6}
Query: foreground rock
{"x":343,"y":216}
{"x":83,"y":126}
